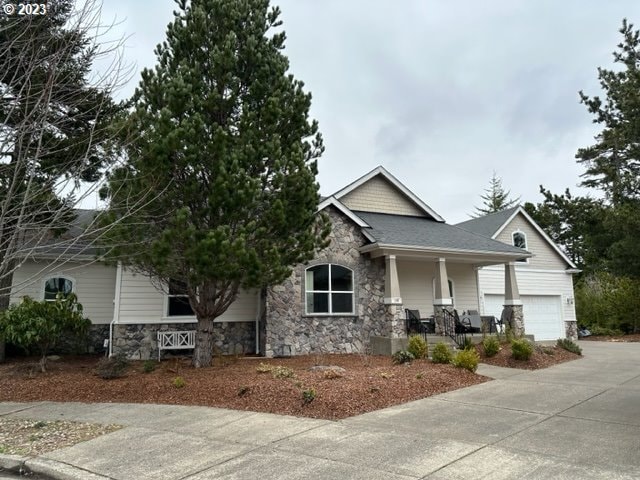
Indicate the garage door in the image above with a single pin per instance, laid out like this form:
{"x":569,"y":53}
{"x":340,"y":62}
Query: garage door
{"x":542,"y":314}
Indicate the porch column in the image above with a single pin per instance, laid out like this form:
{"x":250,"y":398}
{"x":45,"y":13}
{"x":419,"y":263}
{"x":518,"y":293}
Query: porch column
{"x":512,"y":313}
{"x":442,"y":299}
{"x":392,"y":299}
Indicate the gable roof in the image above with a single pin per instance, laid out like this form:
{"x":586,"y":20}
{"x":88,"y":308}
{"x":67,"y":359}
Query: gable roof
{"x":399,"y":230}
{"x":408,"y":194}
{"x":493,"y":224}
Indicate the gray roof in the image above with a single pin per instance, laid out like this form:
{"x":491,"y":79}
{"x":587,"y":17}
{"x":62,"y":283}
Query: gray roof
{"x":71,"y":242}
{"x":489,"y":224}
{"x":423,"y":232}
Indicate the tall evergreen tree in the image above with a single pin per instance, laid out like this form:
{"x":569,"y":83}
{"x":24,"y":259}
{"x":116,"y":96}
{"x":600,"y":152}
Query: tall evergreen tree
{"x":53,"y":126}
{"x":495,"y":198}
{"x":225,"y":141}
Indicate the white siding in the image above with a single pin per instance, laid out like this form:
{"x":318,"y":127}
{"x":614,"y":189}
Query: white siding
{"x":378,"y":195}
{"x":417,"y":282}
{"x":545,"y":257}
{"x":532,"y":282}
{"x":94,"y":285}
{"x":141,"y":302}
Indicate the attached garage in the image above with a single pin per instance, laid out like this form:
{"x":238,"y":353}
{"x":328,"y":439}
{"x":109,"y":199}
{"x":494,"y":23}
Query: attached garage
{"x":542,"y":314}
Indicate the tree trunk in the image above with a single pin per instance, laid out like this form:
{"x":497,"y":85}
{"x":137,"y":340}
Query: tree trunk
{"x":203,"y":353}
{"x":5,"y":294}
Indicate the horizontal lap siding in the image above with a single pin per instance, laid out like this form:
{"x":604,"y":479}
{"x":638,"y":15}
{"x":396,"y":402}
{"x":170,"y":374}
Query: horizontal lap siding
{"x":141,"y":302}
{"x":94,"y":285}
{"x":416,"y":285}
{"x":532,"y":283}
{"x":545,"y":256}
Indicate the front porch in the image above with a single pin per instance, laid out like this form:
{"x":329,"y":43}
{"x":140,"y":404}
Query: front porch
{"x":440,"y":288}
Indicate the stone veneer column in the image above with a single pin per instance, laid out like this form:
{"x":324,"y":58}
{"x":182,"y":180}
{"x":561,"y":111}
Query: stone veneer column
{"x":571,"y":330}
{"x":442,"y":300}
{"x":512,"y":303}
{"x":393,"y":300}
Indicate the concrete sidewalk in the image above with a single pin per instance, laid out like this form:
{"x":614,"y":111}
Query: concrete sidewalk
{"x":576,"y":420}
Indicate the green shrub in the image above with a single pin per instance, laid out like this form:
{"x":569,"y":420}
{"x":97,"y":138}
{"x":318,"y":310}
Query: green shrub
{"x":112,"y":367}
{"x":308,"y":395}
{"x":521,"y":349}
{"x":467,"y":359}
{"x":417,"y":346}
{"x":609,"y":332}
{"x":42,"y":324}
{"x":282,"y":372}
{"x":148,"y":366}
{"x":441,"y":353}
{"x":179,"y":382}
{"x":402,"y":356}
{"x":569,"y":346}
{"x":468,"y":344}
{"x":491,"y":346}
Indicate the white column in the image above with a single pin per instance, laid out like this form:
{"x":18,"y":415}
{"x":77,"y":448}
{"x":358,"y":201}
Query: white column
{"x":511,"y":292}
{"x":442,"y":297}
{"x":391,"y":283}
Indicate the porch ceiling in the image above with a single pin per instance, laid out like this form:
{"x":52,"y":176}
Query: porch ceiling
{"x":477,"y":258}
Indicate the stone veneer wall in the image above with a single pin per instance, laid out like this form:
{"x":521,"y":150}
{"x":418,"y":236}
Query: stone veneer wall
{"x":139,"y":341}
{"x":571,"y":330}
{"x":287,"y":327}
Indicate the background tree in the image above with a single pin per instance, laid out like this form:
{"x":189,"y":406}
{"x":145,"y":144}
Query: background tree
{"x":54,"y":127}
{"x":224,"y":130}
{"x":495,"y":198}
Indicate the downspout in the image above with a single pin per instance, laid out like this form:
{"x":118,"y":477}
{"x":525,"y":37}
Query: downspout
{"x":116,"y":307}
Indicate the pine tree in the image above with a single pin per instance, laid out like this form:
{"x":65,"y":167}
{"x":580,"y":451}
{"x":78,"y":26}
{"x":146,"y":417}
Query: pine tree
{"x":225,"y":142}
{"x":495,"y":198}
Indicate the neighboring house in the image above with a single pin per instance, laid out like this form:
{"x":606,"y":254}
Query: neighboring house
{"x":388,"y":251}
{"x":545,"y":280}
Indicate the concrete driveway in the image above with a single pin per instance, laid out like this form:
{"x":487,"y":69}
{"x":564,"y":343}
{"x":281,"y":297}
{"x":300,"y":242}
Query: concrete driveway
{"x":579,"y":420}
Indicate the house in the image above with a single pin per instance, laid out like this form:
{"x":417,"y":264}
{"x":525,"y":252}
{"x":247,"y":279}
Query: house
{"x":388,"y":251}
{"x":545,"y":280}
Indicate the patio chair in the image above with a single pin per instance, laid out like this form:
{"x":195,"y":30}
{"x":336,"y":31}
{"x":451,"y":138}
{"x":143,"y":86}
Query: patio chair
{"x":474,"y":321}
{"x":416,"y":324}
{"x":462,"y":325}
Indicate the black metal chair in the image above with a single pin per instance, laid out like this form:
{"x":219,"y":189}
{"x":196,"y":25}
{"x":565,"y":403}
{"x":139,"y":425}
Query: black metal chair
{"x":415,"y":324}
{"x":462,"y":326}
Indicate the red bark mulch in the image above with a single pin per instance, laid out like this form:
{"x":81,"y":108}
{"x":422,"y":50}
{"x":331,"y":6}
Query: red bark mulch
{"x":542,"y":357}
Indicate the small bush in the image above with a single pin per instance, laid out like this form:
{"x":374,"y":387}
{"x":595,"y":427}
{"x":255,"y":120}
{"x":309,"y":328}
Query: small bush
{"x":441,"y":353}
{"x":243,"y":390}
{"x":263,"y":368}
{"x":148,"y":366}
{"x":569,"y":346}
{"x":282,"y":372}
{"x":605,"y":331}
{"x":419,"y":375}
{"x":521,"y":349}
{"x":468,"y":344}
{"x":417,"y":346}
{"x":308,"y":395}
{"x":467,"y":359}
{"x":491,"y":346}
{"x":402,"y":356}
{"x":179,"y":382}
{"x":112,"y":367}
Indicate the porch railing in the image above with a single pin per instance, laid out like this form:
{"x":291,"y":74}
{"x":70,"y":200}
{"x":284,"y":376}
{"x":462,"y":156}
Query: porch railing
{"x":453,"y":328}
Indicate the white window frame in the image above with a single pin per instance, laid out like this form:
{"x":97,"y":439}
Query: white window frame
{"x":526,"y":243}
{"x":330,"y":292}
{"x":58,"y":275}
{"x":166,"y":315}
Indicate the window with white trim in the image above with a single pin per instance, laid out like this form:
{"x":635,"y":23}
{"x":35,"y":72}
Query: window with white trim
{"x":55,"y":285}
{"x":328,"y":290}
{"x":519,"y":239}
{"x":178,"y":300}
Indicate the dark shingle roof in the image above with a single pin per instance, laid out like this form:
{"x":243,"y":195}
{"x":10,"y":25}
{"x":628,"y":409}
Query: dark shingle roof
{"x":423,"y":232}
{"x":489,"y":224}
{"x":71,"y":242}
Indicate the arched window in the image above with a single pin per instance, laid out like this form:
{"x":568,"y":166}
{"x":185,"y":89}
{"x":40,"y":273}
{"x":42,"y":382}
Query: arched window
{"x":328,"y":290}
{"x":55,"y":285}
{"x":520,"y":240}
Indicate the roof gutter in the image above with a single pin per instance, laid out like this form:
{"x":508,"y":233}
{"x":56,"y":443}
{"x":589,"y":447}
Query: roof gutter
{"x":440,"y":251}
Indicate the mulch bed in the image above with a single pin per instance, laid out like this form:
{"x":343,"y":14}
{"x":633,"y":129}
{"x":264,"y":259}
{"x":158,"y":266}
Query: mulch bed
{"x":368,"y":383}
{"x":542,"y":357}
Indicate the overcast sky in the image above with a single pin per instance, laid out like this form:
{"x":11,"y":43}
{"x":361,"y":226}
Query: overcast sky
{"x":441,"y":93}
